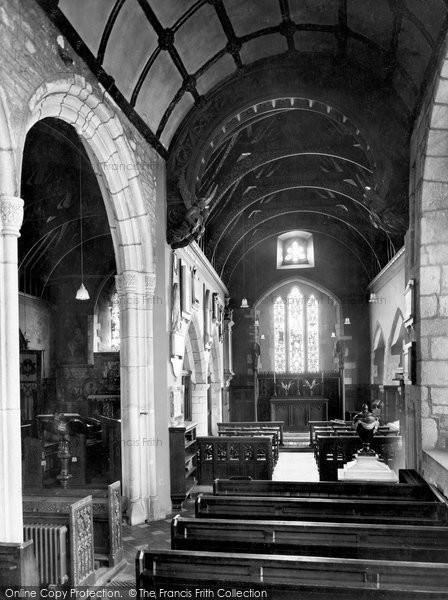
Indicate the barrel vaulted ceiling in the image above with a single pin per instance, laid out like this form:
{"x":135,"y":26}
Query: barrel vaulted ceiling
{"x":272,"y":114}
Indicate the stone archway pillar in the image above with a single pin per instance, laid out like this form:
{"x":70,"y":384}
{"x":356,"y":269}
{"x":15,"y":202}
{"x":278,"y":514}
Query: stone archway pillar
{"x":138,"y":440}
{"x":11,"y":520}
{"x":216,"y":407}
{"x":199,"y":407}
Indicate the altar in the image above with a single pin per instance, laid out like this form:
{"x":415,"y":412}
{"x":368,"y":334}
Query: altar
{"x":297,"y":411}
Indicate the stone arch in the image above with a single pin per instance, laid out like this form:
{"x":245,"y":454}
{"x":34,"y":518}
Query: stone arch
{"x":378,"y":356}
{"x":74,"y":101}
{"x":394,"y":346}
{"x":200,"y":384}
{"x":216,"y":383}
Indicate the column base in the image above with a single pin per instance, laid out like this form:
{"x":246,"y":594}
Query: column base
{"x":136,"y":512}
{"x":155,"y":511}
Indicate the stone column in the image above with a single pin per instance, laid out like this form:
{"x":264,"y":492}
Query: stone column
{"x":199,"y":407}
{"x":137,"y":396}
{"x":11,"y":520}
{"x":215,"y":389}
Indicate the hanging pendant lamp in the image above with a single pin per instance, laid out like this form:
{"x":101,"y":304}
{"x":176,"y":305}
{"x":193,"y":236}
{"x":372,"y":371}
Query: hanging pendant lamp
{"x":82,"y":293}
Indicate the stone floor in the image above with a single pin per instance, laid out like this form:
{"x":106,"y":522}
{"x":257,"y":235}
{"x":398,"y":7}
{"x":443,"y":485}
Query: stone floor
{"x":291,"y":466}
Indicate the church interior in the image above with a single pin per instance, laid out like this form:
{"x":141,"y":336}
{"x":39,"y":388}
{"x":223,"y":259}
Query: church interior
{"x":223,"y":245}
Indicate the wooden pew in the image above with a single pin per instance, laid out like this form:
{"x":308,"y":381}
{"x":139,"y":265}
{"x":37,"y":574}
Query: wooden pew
{"x":234,"y":456}
{"x":336,"y":451}
{"x":272,"y":433}
{"x":339,"y":427}
{"x":383,"y":542}
{"x":260,"y":425}
{"x":107,"y":517}
{"x":395,"y":512}
{"x":18,"y":566}
{"x":326,"y":489}
{"x":77,"y":516}
{"x":281,"y":577}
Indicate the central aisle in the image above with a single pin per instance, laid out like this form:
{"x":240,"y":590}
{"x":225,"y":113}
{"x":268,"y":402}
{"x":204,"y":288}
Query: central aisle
{"x":296,"y":466}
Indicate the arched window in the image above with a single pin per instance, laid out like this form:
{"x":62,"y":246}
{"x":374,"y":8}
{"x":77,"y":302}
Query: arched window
{"x":296,"y":333}
{"x":115,"y":323}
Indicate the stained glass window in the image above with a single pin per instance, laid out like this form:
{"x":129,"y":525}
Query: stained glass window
{"x":279,"y":336}
{"x":115,"y":323}
{"x":295,"y":329}
{"x":296,"y":333}
{"x":312,"y":326}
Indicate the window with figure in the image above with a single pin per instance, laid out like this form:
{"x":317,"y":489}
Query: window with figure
{"x":296,"y":333}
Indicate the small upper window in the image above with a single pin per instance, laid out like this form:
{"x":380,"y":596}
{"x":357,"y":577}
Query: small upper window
{"x":295,"y":250}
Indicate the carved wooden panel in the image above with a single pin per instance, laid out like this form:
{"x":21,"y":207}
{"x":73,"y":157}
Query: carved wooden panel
{"x":116,"y":539}
{"x":81,"y":541}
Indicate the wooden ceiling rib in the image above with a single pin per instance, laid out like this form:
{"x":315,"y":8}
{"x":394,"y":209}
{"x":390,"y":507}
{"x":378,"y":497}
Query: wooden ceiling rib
{"x":338,"y":25}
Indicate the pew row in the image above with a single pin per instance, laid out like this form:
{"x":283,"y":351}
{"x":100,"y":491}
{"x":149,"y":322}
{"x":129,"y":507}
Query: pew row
{"x":225,"y":457}
{"x":42,"y":505}
{"x":382,"y":542}
{"x":398,"y":512}
{"x":279,"y":577}
{"x":333,"y":452}
{"x":251,"y":426}
{"x":326,"y":489}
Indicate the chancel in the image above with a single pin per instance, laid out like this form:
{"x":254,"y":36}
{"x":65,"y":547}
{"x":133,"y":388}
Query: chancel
{"x":224,"y":291}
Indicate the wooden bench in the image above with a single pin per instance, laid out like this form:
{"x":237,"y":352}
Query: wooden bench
{"x":225,"y":457}
{"x":77,"y":516}
{"x":397,"y":512}
{"x":260,"y":425}
{"x":326,"y":489}
{"x":18,"y":565}
{"x":280,"y":577}
{"x":107,"y":515}
{"x":385,"y":542}
{"x":339,"y":427}
{"x":333,"y":452}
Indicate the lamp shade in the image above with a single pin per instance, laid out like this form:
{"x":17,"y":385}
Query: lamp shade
{"x":82,"y":293}
{"x":347,"y":321}
{"x":244,"y":303}
{"x":333,"y":335}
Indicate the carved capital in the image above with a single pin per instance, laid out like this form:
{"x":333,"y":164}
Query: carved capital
{"x":11,"y":215}
{"x":150,"y":285}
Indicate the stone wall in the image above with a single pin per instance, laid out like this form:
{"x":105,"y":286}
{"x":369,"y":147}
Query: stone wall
{"x":427,"y":250}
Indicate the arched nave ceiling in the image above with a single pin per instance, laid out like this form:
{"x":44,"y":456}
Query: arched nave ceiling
{"x":261,"y":105}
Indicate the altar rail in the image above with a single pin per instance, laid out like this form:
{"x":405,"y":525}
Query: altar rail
{"x":225,"y":457}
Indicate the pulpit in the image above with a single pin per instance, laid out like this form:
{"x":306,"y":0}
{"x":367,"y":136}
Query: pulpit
{"x":297,"y":411}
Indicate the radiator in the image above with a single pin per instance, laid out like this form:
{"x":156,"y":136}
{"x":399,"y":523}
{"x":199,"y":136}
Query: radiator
{"x":50,"y":549}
